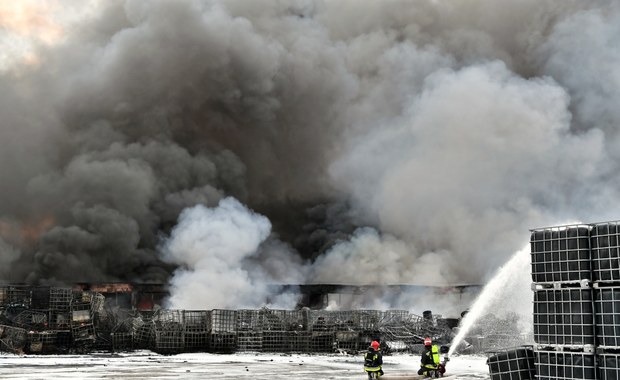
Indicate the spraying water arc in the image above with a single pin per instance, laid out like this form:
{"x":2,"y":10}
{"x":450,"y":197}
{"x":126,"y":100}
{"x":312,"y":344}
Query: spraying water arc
{"x":507,"y":291}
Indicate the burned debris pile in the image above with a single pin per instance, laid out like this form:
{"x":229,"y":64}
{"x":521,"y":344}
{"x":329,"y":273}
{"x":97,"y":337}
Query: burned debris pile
{"x":47,"y":320}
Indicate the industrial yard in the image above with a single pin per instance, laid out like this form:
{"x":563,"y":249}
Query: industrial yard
{"x":148,"y":365}
{"x":229,"y":189}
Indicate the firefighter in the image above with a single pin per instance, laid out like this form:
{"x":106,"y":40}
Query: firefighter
{"x":373,"y":360}
{"x":430,"y":359}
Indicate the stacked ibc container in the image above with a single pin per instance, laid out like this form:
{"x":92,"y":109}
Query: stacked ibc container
{"x":576,"y":274}
{"x":515,"y":364}
{"x":606,"y":275}
{"x":564,"y":330}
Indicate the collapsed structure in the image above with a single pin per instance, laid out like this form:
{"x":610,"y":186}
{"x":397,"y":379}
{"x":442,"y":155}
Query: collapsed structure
{"x":43,"y":320}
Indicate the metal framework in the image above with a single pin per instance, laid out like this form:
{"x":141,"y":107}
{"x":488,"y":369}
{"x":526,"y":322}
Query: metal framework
{"x":80,"y":321}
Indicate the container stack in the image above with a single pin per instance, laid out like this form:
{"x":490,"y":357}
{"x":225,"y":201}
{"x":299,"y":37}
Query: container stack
{"x":576,"y":273}
{"x":197,"y":326}
{"x":223,"y":337}
{"x":606,"y":283}
{"x":62,"y":320}
{"x":169,"y":337}
{"x":563,"y":303}
{"x":43,"y":319}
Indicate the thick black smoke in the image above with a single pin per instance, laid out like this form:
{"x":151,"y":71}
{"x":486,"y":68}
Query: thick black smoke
{"x":383,"y":142}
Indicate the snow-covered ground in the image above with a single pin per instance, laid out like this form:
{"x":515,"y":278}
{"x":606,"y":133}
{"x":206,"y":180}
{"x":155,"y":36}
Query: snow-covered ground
{"x":147,"y":365}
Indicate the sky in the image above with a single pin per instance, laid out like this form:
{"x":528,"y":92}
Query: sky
{"x":225,"y":146}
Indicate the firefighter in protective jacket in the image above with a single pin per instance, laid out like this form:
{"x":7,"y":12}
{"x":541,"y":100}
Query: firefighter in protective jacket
{"x":430,"y":359}
{"x":373,"y":359}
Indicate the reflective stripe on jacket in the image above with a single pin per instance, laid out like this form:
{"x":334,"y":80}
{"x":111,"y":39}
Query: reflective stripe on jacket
{"x":373,"y":361}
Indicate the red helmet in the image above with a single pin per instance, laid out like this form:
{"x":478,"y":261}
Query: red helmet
{"x":428,"y":341}
{"x":374,"y":345}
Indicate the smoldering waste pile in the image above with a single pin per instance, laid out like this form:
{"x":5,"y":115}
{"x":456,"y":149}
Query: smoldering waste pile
{"x":42,"y":320}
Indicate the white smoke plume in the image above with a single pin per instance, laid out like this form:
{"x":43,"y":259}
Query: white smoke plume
{"x":212,"y":247}
{"x":390,"y":142}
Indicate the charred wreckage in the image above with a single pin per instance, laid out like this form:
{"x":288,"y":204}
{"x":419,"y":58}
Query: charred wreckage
{"x":116,"y":317}
{"x":127,"y":317}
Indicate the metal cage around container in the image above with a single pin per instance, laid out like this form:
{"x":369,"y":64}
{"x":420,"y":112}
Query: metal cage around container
{"x":607,"y":316}
{"x":564,"y":316}
{"x":561,"y":254}
{"x":608,"y":365}
{"x":60,"y":298}
{"x":513,"y":364}
{"x":223,"y":337}
{"x":45,"y":342}
{"x":605,"y":247}
{"x":12,"y":339}
{"x":559,"y":365}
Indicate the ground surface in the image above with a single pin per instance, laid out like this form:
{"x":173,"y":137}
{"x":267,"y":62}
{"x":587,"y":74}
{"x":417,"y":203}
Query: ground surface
{"x":147,"y":365}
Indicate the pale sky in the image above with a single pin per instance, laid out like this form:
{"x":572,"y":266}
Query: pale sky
{"x":27,"y":24}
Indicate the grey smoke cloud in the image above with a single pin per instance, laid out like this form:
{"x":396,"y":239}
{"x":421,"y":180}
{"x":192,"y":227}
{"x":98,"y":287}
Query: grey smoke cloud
{"x":456,"y":178}
{"x":395,"y":141}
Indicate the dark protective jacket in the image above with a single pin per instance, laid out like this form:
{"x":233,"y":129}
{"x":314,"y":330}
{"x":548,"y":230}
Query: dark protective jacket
{"x":430,"y":358}
{"x":373,"y":360}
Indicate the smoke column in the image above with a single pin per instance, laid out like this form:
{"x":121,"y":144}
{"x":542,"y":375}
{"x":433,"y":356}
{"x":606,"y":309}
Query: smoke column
{"x":212,"y":246}
{"x":365,"y":142}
